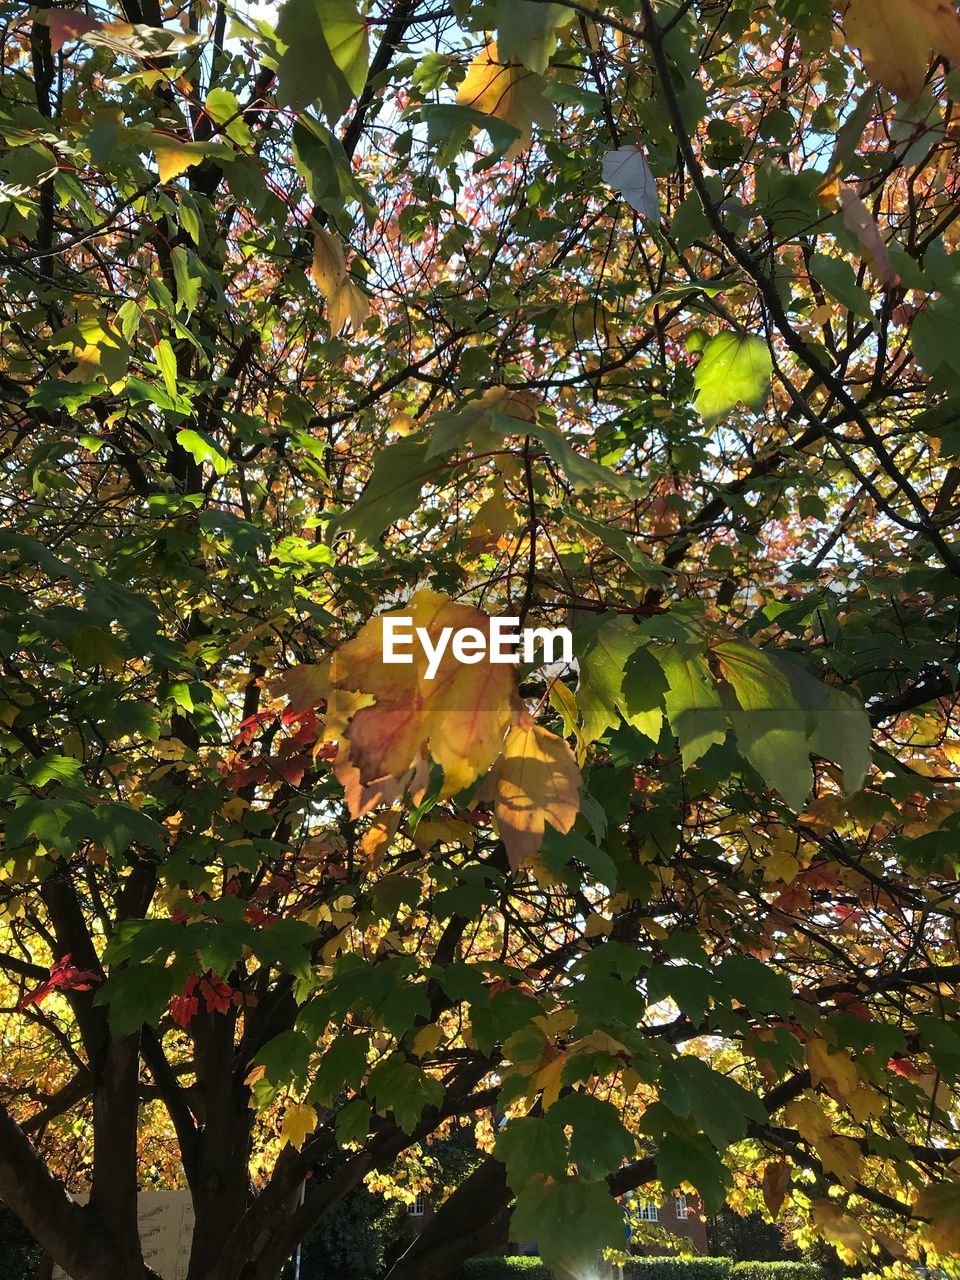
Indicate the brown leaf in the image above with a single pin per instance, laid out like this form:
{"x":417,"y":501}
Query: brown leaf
{"x":776,"y":1181}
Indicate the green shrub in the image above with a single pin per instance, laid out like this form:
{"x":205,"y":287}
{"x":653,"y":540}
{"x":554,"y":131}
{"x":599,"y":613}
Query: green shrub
{"x":681,"y":1269}
{"x":504,"y":1269}
{"x":779,"y":1271}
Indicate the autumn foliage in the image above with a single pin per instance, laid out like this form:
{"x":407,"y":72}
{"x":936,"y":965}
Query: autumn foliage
{"x":633,"y":317}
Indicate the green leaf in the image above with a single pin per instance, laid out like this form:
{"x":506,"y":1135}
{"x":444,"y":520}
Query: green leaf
{"x":600,"y":1142}
{"x":342,"y":1066}
{"x":353,"y":1123}
{"x":583,"y":473}
{"x":54,"y":768}
{"x":326,"y":55}
{"x":163,"y":353}
{"x":188,"y":282}
{"x":693,"y":704}
{"x":531,"y":1147}
{"x":202,"y":449}
{"x":688,"y":986}
{"x":139,"y":994}
{"x":559,"y":849}
{"x":694,"y":1160}
{"x":838,"y":727}
{"x":571,"y":1222}
{"x":838,"y":278}
{"x":933,"y":336}
{"x":285,"y":1058}
{"x":223,"y":107}
{"x":323,"y":165}
{"x":401,"y":1087}
{"x":284,"y":943}
{"x":393,"y":491}
{"x":602,"y":655}
{"x":527,"y":31}
{"x":722,"y":1108}
{"x":755,"y":985}
{"x":623,"y":546}
{"x":450,"y":124}
{"x":734,"y":368}
{"x":770,"y":728}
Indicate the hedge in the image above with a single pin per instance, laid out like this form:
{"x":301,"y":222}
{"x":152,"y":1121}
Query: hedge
{"x":650,"y":1269}
{"x":679,"y":1269}
{"x":779,"y":1271}
{"x":504,"y":1269}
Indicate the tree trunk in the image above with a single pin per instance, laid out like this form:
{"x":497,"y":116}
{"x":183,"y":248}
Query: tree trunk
{"x":221,"y":1189}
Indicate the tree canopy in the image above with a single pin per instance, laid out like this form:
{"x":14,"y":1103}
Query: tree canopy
{"x":635,"y":316}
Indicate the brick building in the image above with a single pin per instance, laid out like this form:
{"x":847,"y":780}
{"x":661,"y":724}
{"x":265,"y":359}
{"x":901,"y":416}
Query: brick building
{"x":680,"y":1216}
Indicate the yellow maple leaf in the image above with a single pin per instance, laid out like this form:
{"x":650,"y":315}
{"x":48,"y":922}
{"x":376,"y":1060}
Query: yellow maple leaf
{"x":940,"y":1204}
{"x":840,"y":1156}
{"x":858,"y":219}
{"x":426,"y":1040}
{"x":299,"y":1120}
{"x":781,"y":865}
{"x":376,"y":839}
{"x":461,"y":714}
{"x":492,"y":522}
{"x":345,"y":299}
{"x":328,"y":267}
{"x":897,"y":38}
{"x":508,"y":91}
{"x":174,"y":158}
{"x":548,"y":1081}
{"x":833,"y":1069}
{"x":836,"y":1227}
{"x":535,"y":781}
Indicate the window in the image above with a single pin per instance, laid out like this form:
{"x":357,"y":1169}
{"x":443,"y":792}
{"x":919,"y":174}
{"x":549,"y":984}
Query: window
{"x":682,"y":1211}
{"x":649,"y":1213}
{"x":418,"y":1207}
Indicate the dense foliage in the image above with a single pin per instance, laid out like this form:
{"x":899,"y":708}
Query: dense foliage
{"x":634,"y":315}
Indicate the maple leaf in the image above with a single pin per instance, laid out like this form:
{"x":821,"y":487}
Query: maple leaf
{"x":627,"y":171}
{"x":508,"y":91}
{"x":345,"y":299}
{"x":940,"y":1204}
{"x":461,"y":714}
{"x":174,"y":158}
{"x":299,"y":1121}
{"x":64,"y":976}
{"x":841,"y":1156}
{"x":858,"y":219}
{"x":185,"y":1007}
{"x":536,"y":781}
{"x":897,"y":38}
{"x":65,"y":24}
{"x":836,"y":1227}
{"x":834,"y":1070}
{"x":776,"y":1181}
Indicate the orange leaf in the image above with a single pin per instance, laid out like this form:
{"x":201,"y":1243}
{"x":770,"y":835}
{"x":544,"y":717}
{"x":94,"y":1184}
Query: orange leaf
{"x":459,"y":716}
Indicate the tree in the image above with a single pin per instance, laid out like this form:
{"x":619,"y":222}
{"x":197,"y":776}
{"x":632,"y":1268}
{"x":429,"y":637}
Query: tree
{"x":634,"y":316}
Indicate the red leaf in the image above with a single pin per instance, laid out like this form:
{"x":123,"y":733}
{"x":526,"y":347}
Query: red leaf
{"x":67,"y":24}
